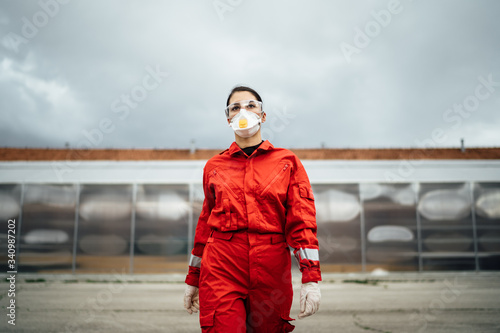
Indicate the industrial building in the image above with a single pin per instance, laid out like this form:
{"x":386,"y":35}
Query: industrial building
{"x":135,"y":211}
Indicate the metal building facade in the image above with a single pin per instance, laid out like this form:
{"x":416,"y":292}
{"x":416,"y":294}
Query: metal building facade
{"x":139,"y":217}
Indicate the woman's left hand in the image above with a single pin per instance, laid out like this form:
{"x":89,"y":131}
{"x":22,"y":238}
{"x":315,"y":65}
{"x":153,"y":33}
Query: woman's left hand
{"x":310,"y":297}
{"x":191,"y":299}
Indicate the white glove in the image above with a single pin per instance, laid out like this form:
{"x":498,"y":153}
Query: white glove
{"x":310,"y":297}
{"x":191,"y":299}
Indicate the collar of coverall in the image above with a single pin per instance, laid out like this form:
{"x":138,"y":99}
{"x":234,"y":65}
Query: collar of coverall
{"x":234,"y":148}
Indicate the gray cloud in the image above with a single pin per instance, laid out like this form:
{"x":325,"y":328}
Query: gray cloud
{"x":74,"y":74}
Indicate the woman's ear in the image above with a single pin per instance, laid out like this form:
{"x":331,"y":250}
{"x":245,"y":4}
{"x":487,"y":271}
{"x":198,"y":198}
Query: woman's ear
{"x":263,"y":118}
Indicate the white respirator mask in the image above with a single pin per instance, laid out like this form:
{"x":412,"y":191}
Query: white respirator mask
{"x":245,"y":123}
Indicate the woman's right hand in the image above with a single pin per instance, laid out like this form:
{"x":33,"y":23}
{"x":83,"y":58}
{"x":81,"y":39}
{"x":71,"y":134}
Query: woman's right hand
{"x":191,"y":299}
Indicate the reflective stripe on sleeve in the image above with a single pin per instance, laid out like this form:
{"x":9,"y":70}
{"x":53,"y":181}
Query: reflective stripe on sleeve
{"x":308,"y":254}
{"x":195,"y":261}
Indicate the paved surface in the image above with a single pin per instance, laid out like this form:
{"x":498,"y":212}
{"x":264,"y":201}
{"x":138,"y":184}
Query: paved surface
{"x":451,"y":302}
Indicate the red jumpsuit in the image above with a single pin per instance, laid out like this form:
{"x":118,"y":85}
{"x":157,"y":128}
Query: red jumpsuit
{"x":255,"y":207}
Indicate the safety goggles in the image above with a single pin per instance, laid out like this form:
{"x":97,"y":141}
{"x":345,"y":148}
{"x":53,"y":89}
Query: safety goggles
{"x":249,"y":105}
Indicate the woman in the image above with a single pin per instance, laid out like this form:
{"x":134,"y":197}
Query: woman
{"x":258,"y":201}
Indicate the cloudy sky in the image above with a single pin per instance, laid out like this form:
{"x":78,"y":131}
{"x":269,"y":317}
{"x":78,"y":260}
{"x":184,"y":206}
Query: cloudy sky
{"x":339,"y":74}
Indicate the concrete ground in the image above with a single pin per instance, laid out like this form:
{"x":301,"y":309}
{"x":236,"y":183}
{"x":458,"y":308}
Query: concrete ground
{"x":411,"y":302}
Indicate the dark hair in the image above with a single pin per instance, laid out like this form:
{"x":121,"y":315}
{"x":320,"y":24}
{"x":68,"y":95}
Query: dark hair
{"x":243,"y":88}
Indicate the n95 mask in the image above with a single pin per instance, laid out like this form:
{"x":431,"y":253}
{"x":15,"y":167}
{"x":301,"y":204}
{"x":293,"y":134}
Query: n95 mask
{"x":245,"y":123}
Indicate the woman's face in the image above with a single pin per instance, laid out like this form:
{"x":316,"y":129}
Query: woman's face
{"x":245,"y":96}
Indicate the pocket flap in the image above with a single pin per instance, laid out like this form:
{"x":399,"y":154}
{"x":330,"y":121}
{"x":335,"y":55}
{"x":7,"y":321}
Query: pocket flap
{"x":306,"y":192}
{"x":287,"y":327}
{"x":286,"y":317}
{"x":207,"y":318}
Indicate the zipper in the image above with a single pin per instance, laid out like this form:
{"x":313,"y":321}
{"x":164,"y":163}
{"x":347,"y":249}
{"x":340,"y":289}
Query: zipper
{"x":226,"y":185}
{"x":266,"y":189}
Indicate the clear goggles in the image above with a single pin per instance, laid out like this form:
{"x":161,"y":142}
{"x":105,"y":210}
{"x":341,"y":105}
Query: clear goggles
{"x":249,"y":105}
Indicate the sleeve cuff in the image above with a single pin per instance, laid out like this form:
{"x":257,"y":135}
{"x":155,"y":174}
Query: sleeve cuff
{"x":311,"y":276}
{"x":193,"y":277}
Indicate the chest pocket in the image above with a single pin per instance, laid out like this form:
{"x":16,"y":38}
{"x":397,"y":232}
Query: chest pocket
{"x":276,"y":185}
{"x":226,"y":193}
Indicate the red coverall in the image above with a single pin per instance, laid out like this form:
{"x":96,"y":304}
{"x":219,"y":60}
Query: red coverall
{"x":254,"y":206}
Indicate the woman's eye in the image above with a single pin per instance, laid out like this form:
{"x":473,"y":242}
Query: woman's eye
{"x":251,"y":106}
{"x":235,"y":108}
